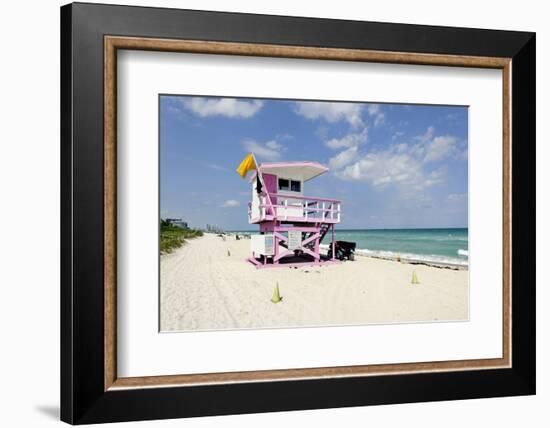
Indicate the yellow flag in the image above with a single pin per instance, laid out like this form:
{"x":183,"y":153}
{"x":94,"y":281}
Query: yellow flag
{"x":247,"y":164}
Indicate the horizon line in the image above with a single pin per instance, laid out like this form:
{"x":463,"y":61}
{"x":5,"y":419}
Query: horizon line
{"x":377,"y":228}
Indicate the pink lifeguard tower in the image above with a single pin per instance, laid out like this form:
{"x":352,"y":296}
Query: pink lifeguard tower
{"x":292,"y":225}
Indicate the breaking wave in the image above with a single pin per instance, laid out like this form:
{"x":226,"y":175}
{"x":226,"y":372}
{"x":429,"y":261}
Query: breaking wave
{"x":420,"y":258}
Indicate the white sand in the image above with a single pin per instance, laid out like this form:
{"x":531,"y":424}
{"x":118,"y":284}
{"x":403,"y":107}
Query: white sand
{"x":204,"y":288}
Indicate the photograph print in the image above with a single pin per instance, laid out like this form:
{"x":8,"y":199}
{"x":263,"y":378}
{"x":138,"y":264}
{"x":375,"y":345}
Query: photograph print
{"x":308,"y":213}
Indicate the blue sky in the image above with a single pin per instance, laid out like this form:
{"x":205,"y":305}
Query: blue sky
{"x":392,"y":165}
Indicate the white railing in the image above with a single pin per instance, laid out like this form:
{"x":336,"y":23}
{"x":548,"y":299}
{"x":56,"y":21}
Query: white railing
{"x":299,"y":208}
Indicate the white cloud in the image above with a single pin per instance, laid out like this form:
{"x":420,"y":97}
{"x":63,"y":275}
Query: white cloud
{"x":456,"y":198}
{"x":343,"y":158}
{"x":379,"y":116}
{"x":228,"y":107}
{"x":452,"y":117}
{"x":215,"y":166}
{"x":427,"y":136}
{"x":273,"y":145}
{"x":350,"y":140}
{"x":440,"y":148}
{"x":172,"y":108}
{"x":436,"y":176}
{"x":402,"y":165}
{"x":331,"y":112}
{"x":230,"y":203}
{"x":401,"y":148}
{"x":433,"y":148}
{"x":269,"y":151}
{"x":462,"y":155}
{"x":373,"y":109}
{"x":397,"y":135}
{"x":380,"y":119}
{"x":284,"y":136}
{"x":322,"y":132}
{"x":385,"y":168}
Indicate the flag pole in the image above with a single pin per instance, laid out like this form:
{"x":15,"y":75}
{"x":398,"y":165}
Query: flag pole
{"x":261,"y":178}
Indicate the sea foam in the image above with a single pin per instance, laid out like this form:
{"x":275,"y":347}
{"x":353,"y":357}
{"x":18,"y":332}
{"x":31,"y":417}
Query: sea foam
{"x":419,"y":258}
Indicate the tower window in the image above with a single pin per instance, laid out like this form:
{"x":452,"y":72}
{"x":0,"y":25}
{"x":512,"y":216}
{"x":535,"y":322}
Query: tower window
{"x":290,"y":185}
{"x":284,"y":184}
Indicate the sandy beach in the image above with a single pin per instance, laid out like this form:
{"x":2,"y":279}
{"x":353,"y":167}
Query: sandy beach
{"x":204,"y":288}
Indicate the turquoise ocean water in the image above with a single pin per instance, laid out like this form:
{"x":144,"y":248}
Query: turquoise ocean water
{"x":435,"y":245}
{"x":449,"y":246}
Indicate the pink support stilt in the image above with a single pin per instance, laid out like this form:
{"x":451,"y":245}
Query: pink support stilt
{"x":316,"y":245}
{"x":276,"y":249}
{"x":333,"y":245}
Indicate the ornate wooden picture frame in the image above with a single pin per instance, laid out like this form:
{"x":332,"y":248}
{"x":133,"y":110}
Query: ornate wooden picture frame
{"x":91,"y":390}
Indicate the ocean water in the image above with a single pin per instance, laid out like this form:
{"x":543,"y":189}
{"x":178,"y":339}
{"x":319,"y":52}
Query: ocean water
{"x":447,"y":246}
{"x":435,"y":245}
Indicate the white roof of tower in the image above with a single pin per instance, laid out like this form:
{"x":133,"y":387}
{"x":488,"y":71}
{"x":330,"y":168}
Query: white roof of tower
{"x":306,"y":169}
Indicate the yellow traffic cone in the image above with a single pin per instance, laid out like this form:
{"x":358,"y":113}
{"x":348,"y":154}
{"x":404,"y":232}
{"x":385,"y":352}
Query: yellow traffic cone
{"x":276,"y":296}
{"x":415,"y":279}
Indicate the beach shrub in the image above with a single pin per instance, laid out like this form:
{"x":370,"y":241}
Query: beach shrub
{"x":172,"y":237}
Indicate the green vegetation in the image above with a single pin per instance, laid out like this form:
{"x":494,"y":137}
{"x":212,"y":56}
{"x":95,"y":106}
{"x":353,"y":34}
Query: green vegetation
{"x":172,"y":237}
